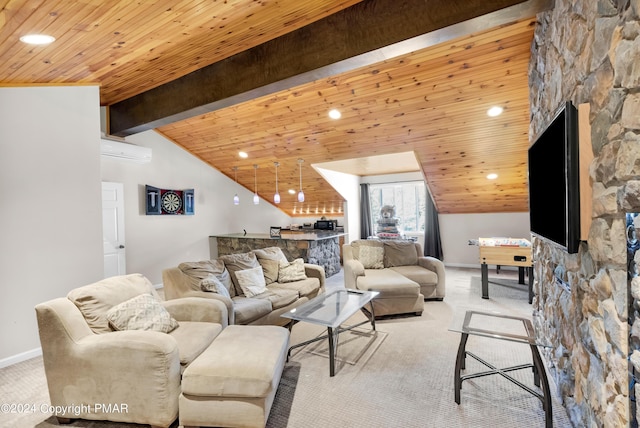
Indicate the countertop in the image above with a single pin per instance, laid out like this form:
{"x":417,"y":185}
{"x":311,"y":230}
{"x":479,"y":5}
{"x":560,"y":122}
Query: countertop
{"x":303,"y":235}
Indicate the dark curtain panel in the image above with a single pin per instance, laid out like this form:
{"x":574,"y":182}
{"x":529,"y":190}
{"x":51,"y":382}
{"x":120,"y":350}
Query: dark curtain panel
{"x":432,"y":244}
{"x":365,"y":212}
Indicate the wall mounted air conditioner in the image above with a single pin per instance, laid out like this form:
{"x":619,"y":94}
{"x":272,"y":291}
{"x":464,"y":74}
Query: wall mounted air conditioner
{"x":116,"y":149}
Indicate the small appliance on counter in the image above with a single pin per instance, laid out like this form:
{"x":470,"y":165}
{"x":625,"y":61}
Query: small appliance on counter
{"x":326,"y":224}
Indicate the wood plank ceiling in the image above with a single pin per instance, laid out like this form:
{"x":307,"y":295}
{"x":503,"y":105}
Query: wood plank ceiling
{"x":431,"y":102}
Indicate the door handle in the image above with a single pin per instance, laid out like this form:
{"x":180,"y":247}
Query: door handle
{"x":120,"y":246}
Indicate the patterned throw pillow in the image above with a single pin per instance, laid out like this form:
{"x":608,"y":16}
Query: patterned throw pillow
{"x":214,"y":285}
{"x":143,"y":312}
{"x":290,"y":272}
{"x":251,"y":281}
{"x":372,"y":257}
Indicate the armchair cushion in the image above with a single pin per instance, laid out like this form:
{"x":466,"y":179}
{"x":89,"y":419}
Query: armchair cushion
{"x":193,"y":338}
{"x":400,"y":253}
{"x":94,"y":300}
{"x":143,"y":312}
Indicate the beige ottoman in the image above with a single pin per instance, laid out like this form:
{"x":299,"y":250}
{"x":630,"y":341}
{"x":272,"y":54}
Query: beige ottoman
{"x":398,"y":294}
{"x":234,"y":381}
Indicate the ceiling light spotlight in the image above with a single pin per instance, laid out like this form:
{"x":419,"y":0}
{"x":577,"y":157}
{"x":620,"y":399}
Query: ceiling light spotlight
{"x":300,"y":193}
{"x":256,"y":198}
{"x":495,"y":111}
{"x":236,"y":199}
{"x":492,"y":176}
{"x":276,"y":197}
{"x":291,"y":191}
{"x":335,"y":114}
{"x":37,"y":39}
{"x":243,"y":155}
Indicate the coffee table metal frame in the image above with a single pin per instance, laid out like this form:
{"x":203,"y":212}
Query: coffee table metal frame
{"x":540,"y":376}
{"x":332,"y":310}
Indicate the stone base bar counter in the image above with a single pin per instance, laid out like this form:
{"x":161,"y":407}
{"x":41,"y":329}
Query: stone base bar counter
{"x":316,"y":247}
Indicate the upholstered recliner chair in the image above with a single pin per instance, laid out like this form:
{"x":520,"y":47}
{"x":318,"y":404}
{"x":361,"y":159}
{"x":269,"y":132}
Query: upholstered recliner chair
{"x":97,"y":349}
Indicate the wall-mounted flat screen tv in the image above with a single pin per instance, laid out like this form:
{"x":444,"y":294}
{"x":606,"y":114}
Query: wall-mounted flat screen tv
{"x":554,"y":181}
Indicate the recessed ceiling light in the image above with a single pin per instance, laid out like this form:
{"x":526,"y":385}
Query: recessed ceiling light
{"x":37,"y":39}
{"x":243,"y":155}
{"x":335,"y":114}
{"x":495,"y":111}
{"x":292,"y":192}
{"x":492,"y":176}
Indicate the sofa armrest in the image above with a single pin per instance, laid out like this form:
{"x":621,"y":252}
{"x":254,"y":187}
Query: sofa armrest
{"x":139,"y":368}
{"x":315,"y":271}
{"x":352,"y":270}
{"x":176,"y":286}
{"x":198,"y":309}
{"x":436,"y":266}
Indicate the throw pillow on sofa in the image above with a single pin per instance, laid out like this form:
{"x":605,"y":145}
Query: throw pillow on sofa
{"x":371,"y":257}
{"x":238,"y":262}
{"x":400,"y":253}
{"x":270,"y":270}
{"x":270,"y":258}
{"x":290,"y":272}
{"x":251,"y":281}
{"x":143,"y":312}
{"x":214,"y":285}
{"x":198,"y":271}
{"x":270,"y":253}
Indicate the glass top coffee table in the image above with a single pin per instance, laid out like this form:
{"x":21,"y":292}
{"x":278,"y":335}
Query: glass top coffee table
{"x":332,"y":310}
{"x":502,"y":327}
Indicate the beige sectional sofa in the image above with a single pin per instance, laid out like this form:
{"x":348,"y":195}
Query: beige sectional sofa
{"x":398,"y":270}
{"x":256,"y":287}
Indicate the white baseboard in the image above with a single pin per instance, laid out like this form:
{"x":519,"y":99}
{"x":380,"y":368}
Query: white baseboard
{"x":477,"y":266}
{"x":462,"y":265}
{"x":18,"y":358}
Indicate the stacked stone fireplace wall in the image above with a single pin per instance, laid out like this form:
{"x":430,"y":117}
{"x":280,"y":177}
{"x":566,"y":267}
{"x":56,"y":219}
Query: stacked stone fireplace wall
{"x":588,"y":51}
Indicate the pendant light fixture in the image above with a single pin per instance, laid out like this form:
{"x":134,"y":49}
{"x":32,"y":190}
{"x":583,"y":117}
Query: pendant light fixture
{"x":236,"y":199}
{"x":300,"y":193}
{"x":256,"y":198}
{"x":276,"y":197}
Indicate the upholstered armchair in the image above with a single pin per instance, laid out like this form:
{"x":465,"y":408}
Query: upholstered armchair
{"x":102,"y":359}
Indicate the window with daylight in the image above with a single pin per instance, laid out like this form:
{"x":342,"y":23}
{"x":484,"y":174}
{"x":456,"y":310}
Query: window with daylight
{"x":408,"y":198}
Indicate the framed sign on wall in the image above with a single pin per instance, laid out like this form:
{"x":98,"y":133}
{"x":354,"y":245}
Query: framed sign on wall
{"x":165,"y":201}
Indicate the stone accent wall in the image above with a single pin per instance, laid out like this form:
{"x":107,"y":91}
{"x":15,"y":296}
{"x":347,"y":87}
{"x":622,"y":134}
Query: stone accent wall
{"x":323,"y":252}
{"x":588,"y":51}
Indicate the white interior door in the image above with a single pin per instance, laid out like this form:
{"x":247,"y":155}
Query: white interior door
{"x":113,"y":229}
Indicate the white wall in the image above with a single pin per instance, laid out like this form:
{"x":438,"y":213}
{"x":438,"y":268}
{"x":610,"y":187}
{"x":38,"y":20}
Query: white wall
{"x":50,"y":213}
{"x":156,"y":242}
{"x":457,"y":229}
{"x":348,"y":185}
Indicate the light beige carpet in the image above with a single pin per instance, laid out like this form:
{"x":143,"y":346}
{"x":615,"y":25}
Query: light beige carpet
{"x":401,"y":378}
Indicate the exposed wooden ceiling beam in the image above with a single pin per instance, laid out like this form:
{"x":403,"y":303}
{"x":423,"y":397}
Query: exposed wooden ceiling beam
{"x":361,"y":35}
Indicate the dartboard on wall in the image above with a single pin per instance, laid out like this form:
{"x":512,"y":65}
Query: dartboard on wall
{"x":166,"y":201}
